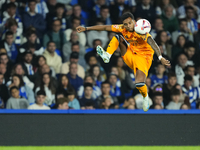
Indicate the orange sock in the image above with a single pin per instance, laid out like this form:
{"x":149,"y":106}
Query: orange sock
{"x":113,"y":45}
{"x":142,"y":89}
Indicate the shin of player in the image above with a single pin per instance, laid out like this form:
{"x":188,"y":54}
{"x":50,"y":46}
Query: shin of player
{"x":141,"y":86}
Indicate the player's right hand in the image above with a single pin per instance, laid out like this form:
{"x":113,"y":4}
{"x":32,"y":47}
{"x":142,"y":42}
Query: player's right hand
{"x":165,"y":62}
{"x":80,"y":29}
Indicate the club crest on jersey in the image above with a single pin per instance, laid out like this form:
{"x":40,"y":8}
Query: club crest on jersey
{"x":116,"y":26}
{"x":126,"y":36}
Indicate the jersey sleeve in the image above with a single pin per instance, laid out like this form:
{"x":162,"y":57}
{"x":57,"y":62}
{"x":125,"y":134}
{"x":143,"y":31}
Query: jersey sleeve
{"x":145,"y":36}
{"x":117,"y":28}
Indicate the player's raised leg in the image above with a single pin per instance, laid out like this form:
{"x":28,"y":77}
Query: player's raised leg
{"x":141,"y":86}
{"x":112,"y":46}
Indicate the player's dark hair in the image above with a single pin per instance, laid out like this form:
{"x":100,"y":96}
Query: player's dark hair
{"x":127,"y":15}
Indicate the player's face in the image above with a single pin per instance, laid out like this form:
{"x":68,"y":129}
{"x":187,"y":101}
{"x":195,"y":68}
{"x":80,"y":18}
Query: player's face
{"x":129,"y":24}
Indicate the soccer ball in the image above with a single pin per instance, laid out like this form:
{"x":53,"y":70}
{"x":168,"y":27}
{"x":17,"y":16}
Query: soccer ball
{"x":142,"y":26}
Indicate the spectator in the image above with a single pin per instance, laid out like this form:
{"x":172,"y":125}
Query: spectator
{"x":56,"y":35}
{"x":27,"y":65}
{"x":32,"y":40}
{"x":169,"y":19}
{"x":73,"y":45}
{"x":42,"y":67}
{"x":146,"y":10}
{"x":74,"y":79}
{"x":96,"y":9}
{"x":46,"y":85}
{"x":18,"y":69}
{"x":3,"y":71}
{"x":52,"y":57}
{"x":162,"y":38}
{"x":117,"y":10}
{"x":5,"y":60}
{"x":101,"y":35}
{"x":163,"y":4}
{"x":179,"y":47}
{"x":174,"y":104}
{"x":158,"y":26}
{"x":183,"y":30}
{"x":159,"y":77}
{"x":87,"y":95}
{"x":105,"y":89}
{"x":191,"y":22}
{"x":167,"y":87}
{"x":74,"y":57}
{"x":62,"y":104}
{"x":31,"y":18}
{"x":15,"y":101}
{"x":73,"y":102}
{"x":190,"y":70}
{"x":157,"y":106}
{"x":96,"y":90}
{"x":129,"y":103}
{"x":10,"y":46}
{"x":104,"y":15}
{"x":115,"y":91}
{"x":75,"y":23}
{"x":77,"y":12}
{"x":95,"y":72}
{"x":182,"y":9}
{"x":41,"y":8}
{"x":106,"y":103}
{"x":63,"y":83}
{"x":40,"y":99}
{"x":189,"y":90}
{"x":183,"y":97}
{"x":51,"y":4}
{"x":158,"y":100}
{"x":12,"y":26}
{"x":189,"y":50}
{"x":24,"y":90}
{"x":4,"y":95}
{"x":89,"y":105}
{"x":184,"y":107}
{"x":179,"y":68}
{"x":59,"y":14}
{"x":11,"y":13}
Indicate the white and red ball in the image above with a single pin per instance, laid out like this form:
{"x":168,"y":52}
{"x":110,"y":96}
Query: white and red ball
{"x":142,"y":26}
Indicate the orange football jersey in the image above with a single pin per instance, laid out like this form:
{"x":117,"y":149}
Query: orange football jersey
{"x":137,"y":43}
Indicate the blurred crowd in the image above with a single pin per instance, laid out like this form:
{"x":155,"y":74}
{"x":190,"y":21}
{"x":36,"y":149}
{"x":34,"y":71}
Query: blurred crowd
{"x":46,"y":64}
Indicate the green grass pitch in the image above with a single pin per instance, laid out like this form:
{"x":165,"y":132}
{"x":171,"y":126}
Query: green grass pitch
{"x":99,"y":147}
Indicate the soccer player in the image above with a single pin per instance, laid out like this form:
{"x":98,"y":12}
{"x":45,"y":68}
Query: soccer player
{"x":136,"y":50}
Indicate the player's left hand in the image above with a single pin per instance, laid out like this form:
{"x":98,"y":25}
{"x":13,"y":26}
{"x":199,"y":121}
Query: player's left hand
{"x":165,"y":62}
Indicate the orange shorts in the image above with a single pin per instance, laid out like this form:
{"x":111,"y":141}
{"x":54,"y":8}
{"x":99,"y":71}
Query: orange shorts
{"x":137,"y":62}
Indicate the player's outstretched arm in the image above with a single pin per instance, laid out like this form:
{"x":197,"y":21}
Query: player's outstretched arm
{"x":97,"y":28}
{"x":155,"y":47}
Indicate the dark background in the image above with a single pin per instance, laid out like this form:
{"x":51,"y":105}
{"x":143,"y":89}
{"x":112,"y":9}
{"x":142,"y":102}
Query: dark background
{"x":99,"y":129}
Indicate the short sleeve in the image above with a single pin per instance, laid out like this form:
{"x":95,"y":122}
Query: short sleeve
{"x":117,"y":28}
